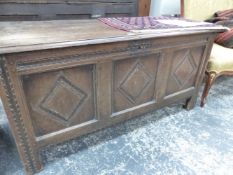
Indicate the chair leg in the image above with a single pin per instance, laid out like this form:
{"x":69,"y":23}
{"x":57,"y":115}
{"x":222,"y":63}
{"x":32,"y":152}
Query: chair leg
{"x":209,"y":82}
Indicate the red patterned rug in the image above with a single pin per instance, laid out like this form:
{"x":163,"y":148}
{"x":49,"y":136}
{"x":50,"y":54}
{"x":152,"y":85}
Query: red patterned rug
{"x":148,"y":22}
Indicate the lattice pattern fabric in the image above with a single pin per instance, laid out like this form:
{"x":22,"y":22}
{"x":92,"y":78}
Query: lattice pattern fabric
{"x":148,"y":22}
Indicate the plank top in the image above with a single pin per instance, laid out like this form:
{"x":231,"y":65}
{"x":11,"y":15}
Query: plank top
{"x":39,"y":35}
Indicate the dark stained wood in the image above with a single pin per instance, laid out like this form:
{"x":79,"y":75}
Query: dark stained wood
{"x":144,"y":7}
{"x":90,"y":77}
{"x":11,"y":10}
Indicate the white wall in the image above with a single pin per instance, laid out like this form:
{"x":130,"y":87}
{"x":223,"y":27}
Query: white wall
{"x":164,"y":7}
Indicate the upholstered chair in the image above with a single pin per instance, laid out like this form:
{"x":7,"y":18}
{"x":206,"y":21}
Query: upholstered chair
{"x":220,"y":63}
{"x":221,"y":59}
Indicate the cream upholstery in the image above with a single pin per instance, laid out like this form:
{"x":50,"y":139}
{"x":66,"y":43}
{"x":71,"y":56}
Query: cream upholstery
{"x":221,"y":59}
{"x":202,"y":9}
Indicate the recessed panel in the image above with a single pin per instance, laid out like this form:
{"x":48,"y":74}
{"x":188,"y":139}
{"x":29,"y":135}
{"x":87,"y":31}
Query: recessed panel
{"x":60,"y":99}
{"x":184,"y":69}
{"x":134,"y":82}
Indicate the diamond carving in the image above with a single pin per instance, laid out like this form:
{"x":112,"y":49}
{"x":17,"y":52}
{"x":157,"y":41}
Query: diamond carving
{"x":63,"y":100}
{"x":135,"y":82}
{"x":185,"y":69}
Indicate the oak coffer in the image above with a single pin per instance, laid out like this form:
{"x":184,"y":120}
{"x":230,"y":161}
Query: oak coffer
{"x":63,"y":79}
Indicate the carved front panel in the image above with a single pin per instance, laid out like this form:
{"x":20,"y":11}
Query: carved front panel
{"x":134,"y":82}
{"x":184,"y":68}
{"x":60,"y":99}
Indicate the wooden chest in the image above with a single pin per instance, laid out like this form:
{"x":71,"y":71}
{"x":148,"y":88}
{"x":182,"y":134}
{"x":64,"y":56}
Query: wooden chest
{"x":63,"y":79}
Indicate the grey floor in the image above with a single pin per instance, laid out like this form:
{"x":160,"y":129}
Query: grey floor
{"x":167,"y":141}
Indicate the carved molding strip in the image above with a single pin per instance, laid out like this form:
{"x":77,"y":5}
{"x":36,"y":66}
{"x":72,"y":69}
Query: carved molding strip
{"x":134,"y":48}
{"x":20,"y":128}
